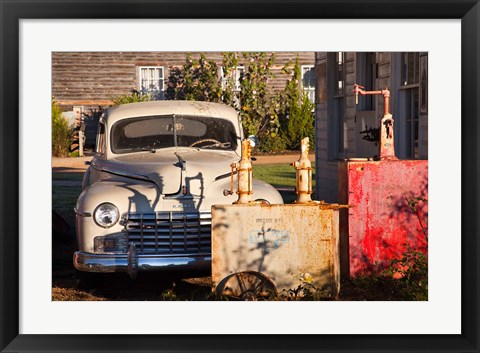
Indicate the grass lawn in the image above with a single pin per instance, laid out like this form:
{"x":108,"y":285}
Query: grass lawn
{"x":281,"y":176}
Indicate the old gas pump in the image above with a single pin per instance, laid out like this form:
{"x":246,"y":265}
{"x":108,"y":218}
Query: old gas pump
{"x":244,"y":178}
{"x":387,"y":149}
{"x":303,"y":173}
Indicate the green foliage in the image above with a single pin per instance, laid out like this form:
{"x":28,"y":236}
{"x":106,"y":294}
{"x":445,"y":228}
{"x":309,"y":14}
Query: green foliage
{"x":197,"y":80}
{"x":279,"y":120}
{"x":305,"y":291}
{"x":61,"y":133}
{"x":259,"y":108}
{"x":229,"y":95}
{"x":412,"y":267}
{"x":174,"y":90}
{"x":298,"y":116}
{"x":169,"y":294}
{"x":273,"y":143}
{"x":134,"y":97}
{"x":412,"y":271}
{"x":412,"y":204}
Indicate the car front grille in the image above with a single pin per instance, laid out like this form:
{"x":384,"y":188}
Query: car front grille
{"x":172,"y":233}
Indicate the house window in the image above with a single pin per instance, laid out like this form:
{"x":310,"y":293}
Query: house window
{"x":308,"y":81}
{"x":412,"y":123}
{"x":337,"y":115}
{"x":409,"y":106}
{"x":152,"y":81}
{"x":339,"y":75}
{"x":366,"y":77}
{"x":410,"y":69}
{"x":237,"y":75}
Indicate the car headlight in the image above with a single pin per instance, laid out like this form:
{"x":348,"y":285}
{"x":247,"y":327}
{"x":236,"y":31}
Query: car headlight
{"x":106,"y":215}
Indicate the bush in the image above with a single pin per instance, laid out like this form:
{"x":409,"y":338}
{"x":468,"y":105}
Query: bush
{"x":134,"y":97}
{"x":61,"y":133}
{"x":298,"y":118}
{"x":269,"y":143}
{"x":196,"y":80}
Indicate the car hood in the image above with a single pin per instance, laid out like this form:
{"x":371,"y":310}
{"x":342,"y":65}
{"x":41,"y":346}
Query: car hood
{"x":173,"y":169}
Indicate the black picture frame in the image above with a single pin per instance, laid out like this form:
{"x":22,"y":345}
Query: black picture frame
{"x":12,"y":11}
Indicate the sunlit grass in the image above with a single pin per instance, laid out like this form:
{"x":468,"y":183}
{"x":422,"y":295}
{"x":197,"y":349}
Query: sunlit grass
{"x":279,"y":175}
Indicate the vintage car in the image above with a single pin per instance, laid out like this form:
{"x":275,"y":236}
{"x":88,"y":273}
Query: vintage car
{"x":147,"y":194}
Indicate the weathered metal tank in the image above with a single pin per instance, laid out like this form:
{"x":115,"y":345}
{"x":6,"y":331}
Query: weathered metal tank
{"x":262,"y":250}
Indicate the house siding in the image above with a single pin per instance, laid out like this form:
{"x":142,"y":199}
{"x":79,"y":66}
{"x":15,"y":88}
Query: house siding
{"x":93,"y":79}
{"x":386,"y":77}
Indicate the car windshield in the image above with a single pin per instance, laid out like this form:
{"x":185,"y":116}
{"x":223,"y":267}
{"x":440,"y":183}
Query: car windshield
{"x":162,"y":131}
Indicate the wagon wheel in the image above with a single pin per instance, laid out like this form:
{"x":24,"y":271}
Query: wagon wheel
{"x":247,"y":285}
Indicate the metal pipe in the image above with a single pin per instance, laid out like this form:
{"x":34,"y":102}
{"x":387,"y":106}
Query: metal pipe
{"x":244,"y":173}
{"x":387,"y":148}
{"x":303,"y":174}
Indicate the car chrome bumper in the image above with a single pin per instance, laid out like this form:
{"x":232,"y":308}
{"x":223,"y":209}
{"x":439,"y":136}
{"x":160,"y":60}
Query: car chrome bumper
{"x":131,"y":262}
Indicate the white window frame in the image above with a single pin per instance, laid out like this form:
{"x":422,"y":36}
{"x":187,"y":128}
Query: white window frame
{"x":406,"y":114}
{"x":309,"y":91}
{"x":161,"y":78}
{"x":337,"y":126}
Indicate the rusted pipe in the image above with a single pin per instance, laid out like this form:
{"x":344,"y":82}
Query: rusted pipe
{"x":244,"y":173}
{"x":303,"y":174}
{"x":357,"y":89}
{"x":387,"y":149}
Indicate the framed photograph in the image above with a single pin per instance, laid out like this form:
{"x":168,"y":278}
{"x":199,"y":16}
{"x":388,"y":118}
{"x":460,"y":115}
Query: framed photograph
{"x":32,"y":31}
{"x":424,"y":85}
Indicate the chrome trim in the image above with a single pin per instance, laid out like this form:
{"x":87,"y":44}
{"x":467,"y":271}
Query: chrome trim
{"x":82,"y":214}
{"x":107,"y":263}
{"x":168,"y":232}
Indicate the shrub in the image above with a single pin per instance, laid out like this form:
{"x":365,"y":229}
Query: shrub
{"x":259,"y":108}
{"x":61,"y":133}
{"x":298,"y":118}
{"x":269,"y":143}
{"x":134,"y":97}
{"x":412,"y":268}
{"x":197,"y":80}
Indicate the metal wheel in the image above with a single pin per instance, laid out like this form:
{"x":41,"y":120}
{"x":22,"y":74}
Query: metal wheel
{"x":247,"y":285}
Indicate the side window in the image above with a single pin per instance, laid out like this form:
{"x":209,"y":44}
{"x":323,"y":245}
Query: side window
{"x":100,"y":145}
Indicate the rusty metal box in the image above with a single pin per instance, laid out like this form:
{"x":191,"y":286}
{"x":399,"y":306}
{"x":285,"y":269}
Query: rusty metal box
{"x":381,"y":220}
{"x":285,"y":243}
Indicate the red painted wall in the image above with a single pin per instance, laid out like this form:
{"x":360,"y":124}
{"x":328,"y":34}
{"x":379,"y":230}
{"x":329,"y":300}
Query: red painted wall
{"x":380,"y":222}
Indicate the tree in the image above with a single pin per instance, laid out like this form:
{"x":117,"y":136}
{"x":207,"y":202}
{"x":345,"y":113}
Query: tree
{"x":259,"y":107}
{"x":61,"y":132}
{"x":298,"y":118}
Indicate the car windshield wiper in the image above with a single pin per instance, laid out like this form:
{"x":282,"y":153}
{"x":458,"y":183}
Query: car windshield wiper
{"x":221,"y":145}
{"x":146,"y":149}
